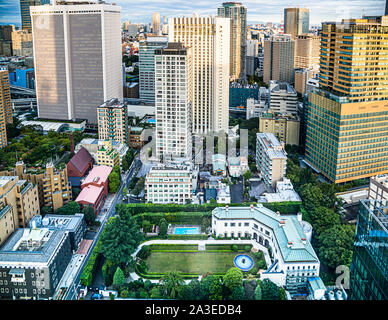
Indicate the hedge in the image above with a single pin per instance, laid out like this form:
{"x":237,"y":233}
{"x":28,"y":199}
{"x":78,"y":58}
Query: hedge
{"x":187,"y":237}
{"x":181,"y":217}
{"x":90,"y":269}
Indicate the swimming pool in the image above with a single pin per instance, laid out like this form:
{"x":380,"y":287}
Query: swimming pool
{"x":186,"y":230}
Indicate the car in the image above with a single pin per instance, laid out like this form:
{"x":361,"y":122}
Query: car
{"x":97,"y":296}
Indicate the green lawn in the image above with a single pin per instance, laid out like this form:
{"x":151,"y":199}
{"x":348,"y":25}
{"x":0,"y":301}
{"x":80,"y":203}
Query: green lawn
{"x":190,"y":262}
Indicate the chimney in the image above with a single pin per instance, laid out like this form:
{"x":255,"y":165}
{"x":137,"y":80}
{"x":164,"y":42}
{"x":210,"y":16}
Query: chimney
{"x":278,"y":213}
{"x":251,"y":207}
{"x":282,"y":223}
{"x":289,"y":244}
{"x":71,"y":144}
{"x":227,"y":208}
{"x":304,"y":240}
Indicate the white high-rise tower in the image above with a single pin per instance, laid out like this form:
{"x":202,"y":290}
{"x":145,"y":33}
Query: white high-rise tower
{"x":77,"y":56}
{"x":209,"y":40}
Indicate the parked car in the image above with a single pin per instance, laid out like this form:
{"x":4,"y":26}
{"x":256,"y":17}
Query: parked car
{"x":97,"y":296}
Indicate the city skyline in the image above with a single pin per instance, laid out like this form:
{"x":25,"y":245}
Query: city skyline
{"x":258,"y":10}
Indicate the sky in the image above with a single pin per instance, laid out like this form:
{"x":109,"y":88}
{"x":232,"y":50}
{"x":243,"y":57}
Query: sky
{"x":140,"y":11}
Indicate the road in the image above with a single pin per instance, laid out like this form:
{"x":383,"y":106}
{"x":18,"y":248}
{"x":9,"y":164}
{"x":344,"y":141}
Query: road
{"x":72,"y":291}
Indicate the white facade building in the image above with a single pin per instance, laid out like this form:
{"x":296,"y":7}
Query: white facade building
{"x":75,"y":72}
{"x":170,"y":184}
{"x":209,"y":39}
{"x":283,"y":98}
{"x":294,"y":259}
{"x":173,"y":96}
{"x":378,"y":187}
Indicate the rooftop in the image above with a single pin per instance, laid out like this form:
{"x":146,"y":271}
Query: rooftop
{"x":99,"y":174}
{"x":90,"y":194}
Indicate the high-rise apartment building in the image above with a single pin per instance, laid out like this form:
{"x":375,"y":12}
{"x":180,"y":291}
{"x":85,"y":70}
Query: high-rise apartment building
{"x":112,"y":117}
{"x":271,"y":158}
{"x":346,"y":136}
{"x":147,"y":66}
{"x":5,"y":106}
{"x":238,"y":37}
{"x":369,"y":268}
{"x":307,"y":51}
{"x":156,"y":24}
{"x":296,"y":21}
{"x":77,"y":55}
{"x":279,"y":53}
{"x":22,"y":43}
{"x":209,"y":40}
{"x":173,"y":108}
{"x":6,"y":39}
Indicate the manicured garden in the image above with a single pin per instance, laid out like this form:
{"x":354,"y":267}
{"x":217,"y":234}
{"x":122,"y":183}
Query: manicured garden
{"x":158,"y":259}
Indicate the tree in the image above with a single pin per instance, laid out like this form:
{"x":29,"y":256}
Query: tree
{"x":155,"y":293}
{"x":194,"y":286}
{"x":45,"y":210}
{"x":324,"y":218}
{"x":312,"y":196}
{"x":249,"y":288}
{"x":204,"y":286}
{"x":247,"y":175}
{"x":269,"y":290}
{"x":258,"y":294}
{"x":335,"y":245}
{"x":120,"y":239}
{"x":215,"y":289}
{"x":69,"y":208}
{"x":238,"y":293}
{"x":185,"y":293}
{"x":233,"y":278}
{"x":171,"y":284}
{"x":114,"y":182}
{"x":118,"y":278}
{"x":163,"y":227}
{"x":89,"y":215}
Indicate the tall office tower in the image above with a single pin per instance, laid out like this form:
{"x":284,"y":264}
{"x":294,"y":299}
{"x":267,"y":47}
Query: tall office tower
{"x":25,"y":11}
{"x":173,"y":109}
{"x":147,"y":66}
{"x":238,"y":37}
{"x":307,"y":51}
{"x":112,"y":118}
{"x":346,"y":136}
{"x":5,"y":106}
{"x":6,"y":40}
{"x":156,"y":24}
{"x":22,"y":43}
{"x":296,"y":21}
{"x":369,"y":269}
{"x":209,"y":39}
{"x":77,"y":55}
{"x":279,"y":53}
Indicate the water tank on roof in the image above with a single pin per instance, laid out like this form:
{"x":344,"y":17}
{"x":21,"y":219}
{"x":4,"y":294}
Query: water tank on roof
{"x":307,"y":229}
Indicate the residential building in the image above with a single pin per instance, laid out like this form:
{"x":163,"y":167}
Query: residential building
{"x":294,"y":258}
{"x":237,"y":166}
{"x":136,"y":137}
{"x":271,"y":158}
{"x":132,"y":30}
{"x":53,"y":185}
{"x":284,"y":126}
{"x":32,"y":263}
{"x":174,"y":91}
{"x":74,"y":71}
{"x":345,"y":136}
{"x":156,"y":24}
{"x":170,"y":184}
{"x":112,"y":117}
{"x":22,"y":43}
{"x":5,"y":107}
{"x":283,"y":97}
{"x":79,"y":166}
{"x":369,"y":268}
{"x":296,"y":21}
{"x":219,"y":164}
{"x":92,"y":146}
{"x":238,"y":37}
{"x":378,"y":187}
{"x":19,"y":202}
{"x":107,"y":155}
{"x":95,"y":188}
{"x":284,"y":192}
{"x":279,"y":51}
{"x":223,"y":194}
{"x":209,"y":40}
{"x":302,"y":75}
{"x":253,"y":48}
{"x":147,"y":49}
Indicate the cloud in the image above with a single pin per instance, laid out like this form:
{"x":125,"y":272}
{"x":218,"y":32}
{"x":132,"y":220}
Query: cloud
{"x":140,"y":11}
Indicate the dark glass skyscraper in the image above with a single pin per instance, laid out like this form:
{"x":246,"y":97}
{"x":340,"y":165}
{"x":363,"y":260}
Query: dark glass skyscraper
{"x":25,"y":11}
{"x":369,"y":269}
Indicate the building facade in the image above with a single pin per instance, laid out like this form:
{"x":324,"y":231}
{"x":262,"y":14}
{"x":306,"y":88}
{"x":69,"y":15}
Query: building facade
{"x":307,"y":51}
{"x":296,"y":21}
{"x":378,"y":187}
{"x":174,"y":76}
{"x":283,"y":98}
{"x":271,"y":158}
{"x":156,"y":24}
{"x":74,"y":71}
{"x":147,"y":67}
{"x":238,"y":37}
{"x":346,"y":136}
{"x":112,"y":117}
{"x":22,"y":43}
{"x":279,"y":61}
{"x":209,"y":40}
{"x":369,"y":268}
{"x":169,"y":184}
{"x":5,"y":107}
{"x":107,"y":155}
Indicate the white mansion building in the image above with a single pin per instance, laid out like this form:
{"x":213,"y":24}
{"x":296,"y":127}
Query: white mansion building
{"x":294,"y":259}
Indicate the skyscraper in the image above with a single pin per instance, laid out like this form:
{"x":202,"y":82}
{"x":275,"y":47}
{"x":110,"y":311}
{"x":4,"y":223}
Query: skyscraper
{"x":173,"y":74}
{"x":147,"y":66}
{"x":296,"y":21}
{"x":369,"y":268}
{"x":279,"y":53}
{"x":307,"y":51}
{"x":346,"y":136}
{"x":209,"y":39}
{"x":77,"y":54}
{"x":5,"y":106}
{"x":238,"y":46}
{"x":156,"y":24}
